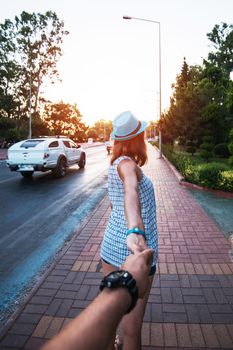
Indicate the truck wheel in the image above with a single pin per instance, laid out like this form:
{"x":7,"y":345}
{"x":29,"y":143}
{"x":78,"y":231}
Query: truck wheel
{"x":27,"y":173}
{"x":82,"y":161}
{"x":60,"y":169}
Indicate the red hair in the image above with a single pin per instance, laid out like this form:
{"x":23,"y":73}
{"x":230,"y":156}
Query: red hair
{"x":134,"y":148}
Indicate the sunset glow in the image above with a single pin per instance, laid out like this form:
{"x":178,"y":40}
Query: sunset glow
{"x":110,"y":65}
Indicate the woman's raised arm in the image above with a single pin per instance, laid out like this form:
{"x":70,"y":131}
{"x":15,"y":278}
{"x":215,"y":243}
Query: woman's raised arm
{"x":130,"y":174}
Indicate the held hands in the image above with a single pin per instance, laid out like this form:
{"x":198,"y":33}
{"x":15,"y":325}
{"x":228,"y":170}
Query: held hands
{"x":139,"y":266}
{"x":136,"y":243}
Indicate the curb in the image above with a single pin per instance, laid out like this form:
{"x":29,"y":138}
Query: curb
{"x":187,"y":184}
{"x":204,"y":189}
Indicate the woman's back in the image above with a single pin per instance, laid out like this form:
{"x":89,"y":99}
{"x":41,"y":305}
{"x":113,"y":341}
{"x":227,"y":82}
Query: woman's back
{"x":116,"y":231}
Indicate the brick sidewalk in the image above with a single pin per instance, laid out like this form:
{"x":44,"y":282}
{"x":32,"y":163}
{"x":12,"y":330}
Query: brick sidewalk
{"x":191,"y":302}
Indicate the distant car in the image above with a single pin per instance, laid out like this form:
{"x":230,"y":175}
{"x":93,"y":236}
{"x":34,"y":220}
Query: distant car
{"x":43,"y":154}
{"x":108,"y":145}
{"x":153,"y":139}
{"x":90,"y":141}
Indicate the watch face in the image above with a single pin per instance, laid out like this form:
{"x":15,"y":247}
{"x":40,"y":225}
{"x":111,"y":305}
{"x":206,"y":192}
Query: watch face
{"x":114,"y":275}
{"x":121,"y":278}
{"x":117,"y":274}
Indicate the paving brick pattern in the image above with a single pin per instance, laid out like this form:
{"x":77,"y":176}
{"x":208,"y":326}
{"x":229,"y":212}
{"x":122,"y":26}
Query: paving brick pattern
{"x":191,"y":300}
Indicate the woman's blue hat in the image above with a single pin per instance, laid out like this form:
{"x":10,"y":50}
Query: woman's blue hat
{"x":126,"y":126}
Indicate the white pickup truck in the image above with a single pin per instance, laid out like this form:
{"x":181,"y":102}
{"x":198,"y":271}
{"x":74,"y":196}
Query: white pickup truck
{"x":43,"y":154}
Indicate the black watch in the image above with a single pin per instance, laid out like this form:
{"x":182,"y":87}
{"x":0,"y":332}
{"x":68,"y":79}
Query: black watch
{"x":121,"y":278}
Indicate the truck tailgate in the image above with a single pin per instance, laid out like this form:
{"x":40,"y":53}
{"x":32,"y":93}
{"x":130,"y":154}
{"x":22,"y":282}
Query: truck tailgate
{"x":26,"y":156}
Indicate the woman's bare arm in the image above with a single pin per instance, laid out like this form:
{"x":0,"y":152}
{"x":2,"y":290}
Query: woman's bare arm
{"x":130,"y":175}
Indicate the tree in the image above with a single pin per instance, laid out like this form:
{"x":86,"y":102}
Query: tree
{"x":65,"y":119}
{"x":8,"y":130}
{"x":190,"y":147}
{"x":181,"y":119}
{"x":218,"y":67}
{"x":39,"y":127}
{"x":91,"y":133}
{"x":151,"y":129}
{"x":214,"y":120}
{"x":230,"y":147}
{"x":222,"y":39}
{"x":102,"y":128}
{"x":206,"y":148}
{"x":202,"y":100}
{"x":30,"y":47}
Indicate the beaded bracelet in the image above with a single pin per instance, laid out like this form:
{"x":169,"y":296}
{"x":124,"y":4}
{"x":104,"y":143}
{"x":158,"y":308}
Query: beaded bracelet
{"x":136,"y":230}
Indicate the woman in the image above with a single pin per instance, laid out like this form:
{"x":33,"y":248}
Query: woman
{"x":132,"y":224}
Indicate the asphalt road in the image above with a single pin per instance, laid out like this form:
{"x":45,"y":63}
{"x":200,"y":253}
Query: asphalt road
{"x":38,"y":215}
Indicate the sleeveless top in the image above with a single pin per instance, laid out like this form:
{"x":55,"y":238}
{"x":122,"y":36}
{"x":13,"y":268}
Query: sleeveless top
{"x":114,"y":249}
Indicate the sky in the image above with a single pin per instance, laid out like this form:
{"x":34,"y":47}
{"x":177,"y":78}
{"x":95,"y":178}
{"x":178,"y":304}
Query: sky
{"x":111,"y":65}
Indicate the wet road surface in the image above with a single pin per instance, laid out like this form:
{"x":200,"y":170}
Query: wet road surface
{"x":38,"y":215}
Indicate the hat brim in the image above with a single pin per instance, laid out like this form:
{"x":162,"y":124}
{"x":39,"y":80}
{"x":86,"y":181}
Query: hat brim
{"x":128,"y":137}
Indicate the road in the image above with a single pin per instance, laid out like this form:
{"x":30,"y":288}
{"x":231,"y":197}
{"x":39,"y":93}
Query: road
{"x":38,"y":215}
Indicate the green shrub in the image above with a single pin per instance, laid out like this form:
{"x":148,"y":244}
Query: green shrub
{"x":191,"y":174}
{"x":191,"y":147}
{"x":206,"y":150}
{"x":181,"y":140}
{"x":227,"y":180}
{"x":230,"y":161}
{"x":231,"y":134}
{"x":154,"y":143}
{"x":181,"y":162}
{"x":221,"y":150}
{"x":168,"y":151}
{"x":205,"y":154}
{"x":230,"y":147}
{"x":206,"y":146}
{"x":210,"y":175}
{"x":208,"y":139}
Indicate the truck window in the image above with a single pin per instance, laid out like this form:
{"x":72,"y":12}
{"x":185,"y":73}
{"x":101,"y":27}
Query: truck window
{"x":31,"y":143}
{"x":73,"y":145}
{"x":53,"y":144}
{"x":67,"y":144}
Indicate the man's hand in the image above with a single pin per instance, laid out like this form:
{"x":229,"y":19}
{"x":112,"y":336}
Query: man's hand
{"x":136,"y":243}
{"x":139,"y":266}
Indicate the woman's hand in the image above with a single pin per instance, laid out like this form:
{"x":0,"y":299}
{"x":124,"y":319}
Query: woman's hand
{"x":139,"y":266}
{"x":136,"y":243}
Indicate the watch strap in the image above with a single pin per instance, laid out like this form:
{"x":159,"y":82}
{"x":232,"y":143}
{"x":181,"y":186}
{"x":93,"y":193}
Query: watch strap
{"x":125,"y":281}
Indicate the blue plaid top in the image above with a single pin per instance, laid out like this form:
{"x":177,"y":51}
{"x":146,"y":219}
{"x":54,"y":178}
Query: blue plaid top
{"x":114,"y":248}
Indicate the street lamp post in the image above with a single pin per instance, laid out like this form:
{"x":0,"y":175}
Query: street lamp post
{"x":104,"y":132}
{"x":160,"y":95}
{"x":30,"y":108}
{"x":30,"y":88}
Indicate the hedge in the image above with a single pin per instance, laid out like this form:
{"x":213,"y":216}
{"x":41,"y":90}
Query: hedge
{"x":211,"y":175}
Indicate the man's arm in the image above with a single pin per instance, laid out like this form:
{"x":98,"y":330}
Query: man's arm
{"x":95,"y":326}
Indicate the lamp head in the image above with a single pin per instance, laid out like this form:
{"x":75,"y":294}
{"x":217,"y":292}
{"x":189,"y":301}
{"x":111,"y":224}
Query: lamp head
{"x":127,"y":17}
